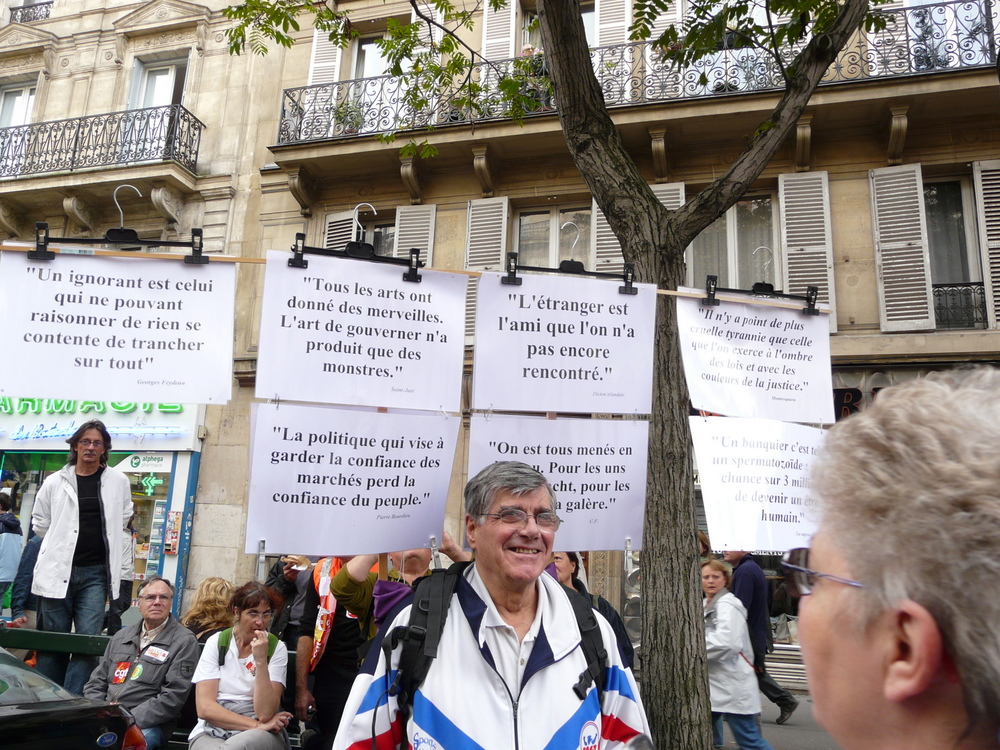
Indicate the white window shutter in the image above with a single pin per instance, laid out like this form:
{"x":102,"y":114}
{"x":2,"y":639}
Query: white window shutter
{"x":806,"y":236}
{"x":428,"y":32}
{"x":135,"y":85}
{"x":415,"y":228}
{"x":324,"y":62}
{"x":607,"y":249}
{"x":339,"y":230}
{"x":987,"y":177}
{"x":902,"y":263}
{"x":498,"y":31}
{"x":612,"y":21}
{"x":487,"y":247}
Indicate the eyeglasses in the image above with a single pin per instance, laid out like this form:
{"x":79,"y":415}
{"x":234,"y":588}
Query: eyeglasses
{"x":801,"y":579}
{"x":94,"y":443}
{"x":546,"y":519}
{"x":263,"y":616}
{"x":155,"y":597}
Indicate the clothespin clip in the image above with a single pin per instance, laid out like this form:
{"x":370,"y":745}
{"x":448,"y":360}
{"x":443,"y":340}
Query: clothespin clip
{"x":628,"y":276}
{"x":41,"y":251}
{"x":196,"y":248}
{"x":812,"y":292}
{"x":412,"y":272}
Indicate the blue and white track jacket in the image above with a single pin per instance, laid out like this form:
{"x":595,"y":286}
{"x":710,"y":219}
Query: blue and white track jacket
{"x":464,"y":704}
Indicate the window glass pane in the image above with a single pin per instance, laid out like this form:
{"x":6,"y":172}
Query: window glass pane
{"x":946,"y":232}
{"x":533,"y":239}
{"x":384,"y":238}
{"x":159,"y":87}
{"x":755,"y":253}
{"x":574,"y":235}
{"x":15,"y":107}
{"x":708,"y":254}
{"x":370,"y":62}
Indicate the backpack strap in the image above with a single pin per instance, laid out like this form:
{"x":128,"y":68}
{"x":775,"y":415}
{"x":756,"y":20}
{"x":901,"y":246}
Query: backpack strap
{"x":226,"y":637}
{"x":592,"y":643}
{"x":421,"y":637}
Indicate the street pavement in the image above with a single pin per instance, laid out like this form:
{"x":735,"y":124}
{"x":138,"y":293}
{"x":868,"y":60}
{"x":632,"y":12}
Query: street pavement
{"x":800,"y":732}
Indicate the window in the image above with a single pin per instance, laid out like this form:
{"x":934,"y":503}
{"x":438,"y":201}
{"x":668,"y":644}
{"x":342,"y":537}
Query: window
{"x":157,"y":84}
{"x":530,"y":35}
{"x":368,"y":60}
{"x":16,"y":104}
{"x":380,"y":235}
{"x":545,"y":237}
{"x":740,"y":247}
{"x":950,"y":232}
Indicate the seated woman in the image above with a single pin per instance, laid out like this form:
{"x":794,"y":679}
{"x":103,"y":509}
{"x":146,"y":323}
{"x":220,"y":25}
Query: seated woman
{"x":210,"y":611}
{"x":240,"y":678}
{"x":732,"y":682}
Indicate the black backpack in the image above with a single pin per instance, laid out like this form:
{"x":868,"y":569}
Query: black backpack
{"x":422,"y":636}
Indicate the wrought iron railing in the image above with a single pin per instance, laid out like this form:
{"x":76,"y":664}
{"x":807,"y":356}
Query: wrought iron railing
{"x":945,"y":36}
{"x":960,"y":306}
{"x":169,"y":133}
{"x":29,"y":13}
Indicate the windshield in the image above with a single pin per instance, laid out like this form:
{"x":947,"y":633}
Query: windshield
{"x":21,"y":684}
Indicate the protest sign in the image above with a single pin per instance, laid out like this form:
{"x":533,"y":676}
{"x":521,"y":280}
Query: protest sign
{"x":746,"y":360}
{"x":597,"y":469}
{"x":754,"y":477}
{"x":338,"y":481}
{"x":116,"y":329}
{"x":349,"y":332}
{"x":563,"y":344}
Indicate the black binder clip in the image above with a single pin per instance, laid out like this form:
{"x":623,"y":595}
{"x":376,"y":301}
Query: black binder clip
{"x":412,"y":272}
{"x":511,"y":278}
{"x":298,"y":250}
{"x":711,"y":284}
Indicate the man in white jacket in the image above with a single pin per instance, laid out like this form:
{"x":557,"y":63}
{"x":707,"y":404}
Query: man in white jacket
{"x":80,"y":512}
{"x":511,"y":659}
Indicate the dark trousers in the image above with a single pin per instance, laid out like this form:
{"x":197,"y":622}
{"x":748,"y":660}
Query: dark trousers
{"x":773,"y":691}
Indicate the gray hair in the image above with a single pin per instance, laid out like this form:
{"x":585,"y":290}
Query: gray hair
{"x":910,"y":494}
{"x":153,"y":579}
{"x":513,"y":477}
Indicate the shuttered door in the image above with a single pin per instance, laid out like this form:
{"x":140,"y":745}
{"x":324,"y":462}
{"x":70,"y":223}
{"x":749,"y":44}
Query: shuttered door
{"x":987,"y":177}
{"x":612,"y":17}
{"x":607,"y":250}
{"x":806,"y":235}
{"x":901,"y":257}
{"x":487,"y":248}
{"x":415,"y":228}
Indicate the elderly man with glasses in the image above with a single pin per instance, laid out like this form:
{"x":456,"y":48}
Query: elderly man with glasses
{"x":901,"y":586}
{"x":147,"y":667}
{"x":511,"y":656}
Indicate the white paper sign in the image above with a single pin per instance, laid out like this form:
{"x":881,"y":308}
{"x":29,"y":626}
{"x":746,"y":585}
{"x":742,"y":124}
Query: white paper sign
{"x":597,"y":469}
{"x":349,"y":332}
{"x":746,"y":360}
{"x":755,"y":481}
{"x":346,"y":482}
{"x":116,"y":329}
{"x":563,"y":344}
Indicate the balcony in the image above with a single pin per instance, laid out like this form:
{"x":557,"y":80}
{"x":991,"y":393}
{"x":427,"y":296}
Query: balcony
{"x":155,"y":134}
{"x":29,"y":13}
{"x":960,"y":306}
{"x":926,"y":39}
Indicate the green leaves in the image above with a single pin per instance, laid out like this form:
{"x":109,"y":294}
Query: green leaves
{"x":259,"y":22}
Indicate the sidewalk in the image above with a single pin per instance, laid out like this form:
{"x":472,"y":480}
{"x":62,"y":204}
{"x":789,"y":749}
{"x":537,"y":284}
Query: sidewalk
{"x":801,"y":732}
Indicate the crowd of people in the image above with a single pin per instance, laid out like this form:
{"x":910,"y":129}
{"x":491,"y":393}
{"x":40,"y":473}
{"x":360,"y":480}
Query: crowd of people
{"x":897,"y":655}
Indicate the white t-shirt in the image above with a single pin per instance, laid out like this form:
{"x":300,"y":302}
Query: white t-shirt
{"x":236,"y":677}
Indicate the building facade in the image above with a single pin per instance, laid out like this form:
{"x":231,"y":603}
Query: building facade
{"x":887,"y":196}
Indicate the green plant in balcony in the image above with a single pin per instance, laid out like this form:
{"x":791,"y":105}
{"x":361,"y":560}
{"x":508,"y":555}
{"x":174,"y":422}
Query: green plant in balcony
{"x":348,"y":116}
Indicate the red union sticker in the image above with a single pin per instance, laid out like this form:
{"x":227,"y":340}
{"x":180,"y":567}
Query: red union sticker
{"x":250,"y":667}
{"x":121,"y":672}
